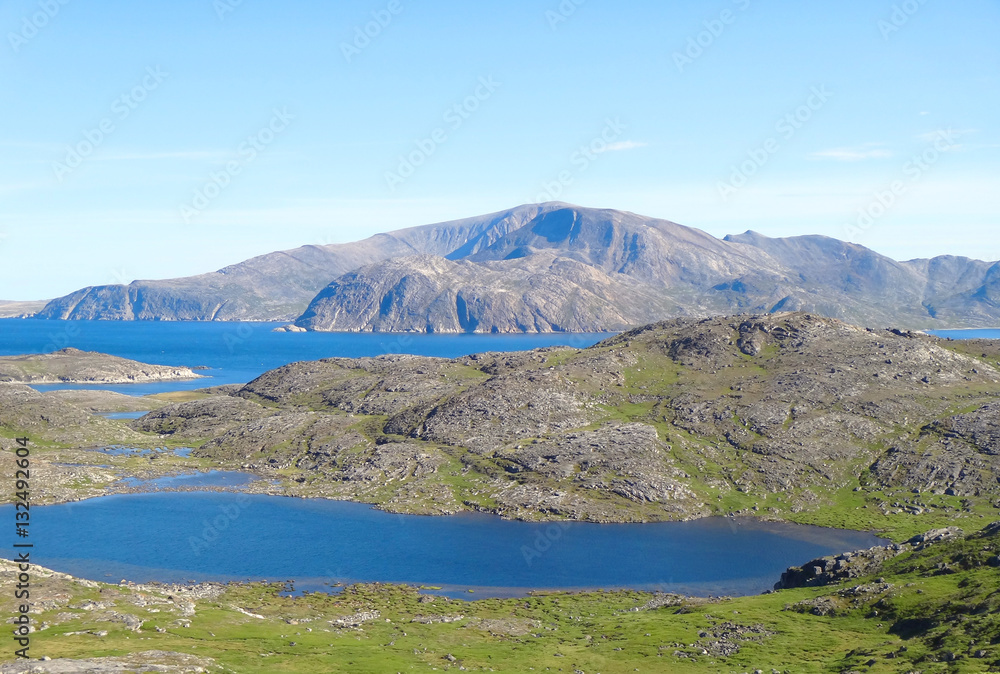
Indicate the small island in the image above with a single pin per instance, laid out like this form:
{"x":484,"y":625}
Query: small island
{"x":73,"y":366}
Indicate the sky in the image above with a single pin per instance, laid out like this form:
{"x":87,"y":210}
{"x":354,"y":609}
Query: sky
{"x":157,"y":140}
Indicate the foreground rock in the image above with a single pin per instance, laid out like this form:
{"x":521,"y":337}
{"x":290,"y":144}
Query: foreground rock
{"x":858,"y":564}
{"x":767,"y":415}
{"x":73,"y":366}
{"x":782,"y":416}
{"x":144,"y":662}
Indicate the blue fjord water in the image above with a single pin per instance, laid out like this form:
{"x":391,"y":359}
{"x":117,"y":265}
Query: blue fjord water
{"x":239,"y":352}
{"x":228,"y":536}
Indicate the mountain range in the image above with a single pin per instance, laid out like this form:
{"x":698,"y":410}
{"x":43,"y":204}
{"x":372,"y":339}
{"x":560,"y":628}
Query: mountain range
{"x":557,"y":267}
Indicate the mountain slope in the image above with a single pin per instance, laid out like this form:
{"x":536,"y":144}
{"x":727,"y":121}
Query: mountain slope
{"x":277,"y":286}
{"x":554,"y":267}
{"x":542,"y":293}
{"x":645,"y":269}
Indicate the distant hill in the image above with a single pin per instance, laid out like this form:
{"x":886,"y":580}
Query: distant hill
{"x":556,"y":267}
{"x":277,"y":286}
{"x":73,"y":366}
{"x":20,"y":309}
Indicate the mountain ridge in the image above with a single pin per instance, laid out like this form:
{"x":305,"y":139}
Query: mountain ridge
{"x":523,"y":270}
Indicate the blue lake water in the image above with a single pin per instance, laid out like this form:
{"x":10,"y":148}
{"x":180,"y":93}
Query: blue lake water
{"x":228,"y":536}
{"x":238,"y":352}
{"x":123,"y":415}
{"x":966,"y":334}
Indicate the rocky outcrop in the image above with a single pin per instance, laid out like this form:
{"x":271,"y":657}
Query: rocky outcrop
{"x":147,"y":662}
{"x":660,"y":422}
{"x":862,"y":563}
{"x":73,"y":366}
{"x":28,"y":412}
{"x":200,"y":418}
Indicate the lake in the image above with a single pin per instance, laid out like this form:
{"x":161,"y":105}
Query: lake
{"x":967,"y":334}
{"x":236,"y":353}
{"x":230,"y":536}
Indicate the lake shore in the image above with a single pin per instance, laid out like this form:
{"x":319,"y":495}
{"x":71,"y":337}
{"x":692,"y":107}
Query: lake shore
{"x":236,"y":626}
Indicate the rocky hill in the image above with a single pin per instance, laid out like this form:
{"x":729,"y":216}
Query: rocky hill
{"x":790,"y":415}
{"x":277,"y":286}
{"x":554,"y":267}
{"x":73,"y":366}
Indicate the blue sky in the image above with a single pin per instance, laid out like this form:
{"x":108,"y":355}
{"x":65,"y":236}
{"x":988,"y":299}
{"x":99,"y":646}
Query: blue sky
{"x":151,"y":140}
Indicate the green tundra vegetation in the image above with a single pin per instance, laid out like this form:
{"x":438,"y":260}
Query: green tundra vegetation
{"x":787,"y":416}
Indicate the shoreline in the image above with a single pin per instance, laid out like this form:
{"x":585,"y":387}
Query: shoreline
{"x":277,"y":491}
{"x":464,"y":593}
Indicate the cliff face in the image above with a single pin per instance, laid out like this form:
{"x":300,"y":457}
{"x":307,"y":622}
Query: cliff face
{"x":542,"y":293}
{"x":555,"y":267}
{"x":584,"y":269}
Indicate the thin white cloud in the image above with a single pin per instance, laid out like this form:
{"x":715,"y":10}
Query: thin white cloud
{"x":952,"y":138}
{"x":932,"y":136}
{"x":621,"y":146}
{"x":14,"y":188}
{"x":211,"y":155}
{"x":858,"y":153}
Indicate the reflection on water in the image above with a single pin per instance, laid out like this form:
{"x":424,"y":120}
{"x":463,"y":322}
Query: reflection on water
{"x":122,"y":450}
{"x":123,"y":415}
{"x":213,"y":478}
